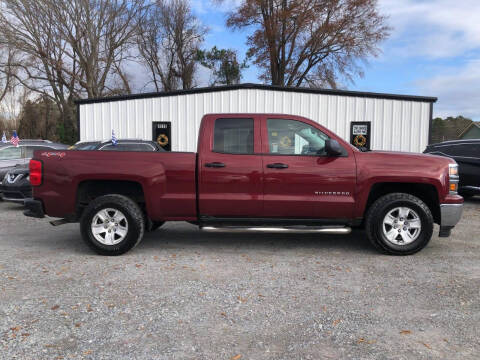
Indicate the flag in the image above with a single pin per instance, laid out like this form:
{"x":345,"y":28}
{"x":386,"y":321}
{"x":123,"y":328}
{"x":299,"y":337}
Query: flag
{"x":4,"y":138}
{"x":14,"y":140}
{"x":114,"y":139}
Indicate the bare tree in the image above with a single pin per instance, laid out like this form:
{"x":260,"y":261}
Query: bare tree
{"x":99,"y":34}
{"x":157,"y":51}
{"x":7,"y":79}
{"x":310,"y":42}
{"x":168,"y":41}
{"x":69,"y":49}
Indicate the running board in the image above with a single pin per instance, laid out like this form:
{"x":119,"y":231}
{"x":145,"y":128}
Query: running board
{"x":59,"y":222}
{"x":289,"y":229}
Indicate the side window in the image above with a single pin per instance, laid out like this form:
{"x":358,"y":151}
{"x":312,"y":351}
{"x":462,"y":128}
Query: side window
{"x":11,"y":153}
{"x":291,"y":137}
{"x":128,"y":147}
{"x":453,"y":150}
{"x":140,"y":147}
{"x":113,"y":148}
{"x":31,"y":149}
{"x":233,"y":136}
{"x":467,"y":150}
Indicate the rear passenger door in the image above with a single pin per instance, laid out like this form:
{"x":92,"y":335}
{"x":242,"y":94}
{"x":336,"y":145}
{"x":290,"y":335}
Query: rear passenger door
{"x":230,"y":168}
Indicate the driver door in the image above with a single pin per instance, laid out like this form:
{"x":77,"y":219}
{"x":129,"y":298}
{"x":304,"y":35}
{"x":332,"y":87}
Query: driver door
{"x":300,"y":180}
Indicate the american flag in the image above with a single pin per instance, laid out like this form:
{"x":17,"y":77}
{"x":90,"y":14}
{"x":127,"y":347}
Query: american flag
{"x":14,"y":140}
{"x":114,"y":139}
{"x":4,"y":138}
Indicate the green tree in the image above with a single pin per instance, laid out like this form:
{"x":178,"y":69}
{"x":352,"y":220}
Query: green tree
{"x":40,"y":119}
{"x":449,"y":128}
{"x":226,"y":69}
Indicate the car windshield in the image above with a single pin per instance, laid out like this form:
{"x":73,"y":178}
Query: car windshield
{"x":10,"y":153}
{"x":84,"y":146}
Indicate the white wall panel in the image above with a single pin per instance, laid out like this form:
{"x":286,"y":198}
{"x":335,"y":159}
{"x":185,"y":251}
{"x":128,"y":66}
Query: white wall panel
{"x":400,"y":125}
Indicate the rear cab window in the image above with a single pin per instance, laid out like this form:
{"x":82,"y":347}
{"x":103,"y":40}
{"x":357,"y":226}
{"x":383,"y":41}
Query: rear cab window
{"x":233,"y":136}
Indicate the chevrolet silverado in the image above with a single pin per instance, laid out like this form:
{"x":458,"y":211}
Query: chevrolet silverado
{"x":251,"y":172}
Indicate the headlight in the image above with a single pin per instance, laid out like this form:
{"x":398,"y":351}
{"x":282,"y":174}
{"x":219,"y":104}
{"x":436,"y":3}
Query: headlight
{"x":453,"y":170}
{"x":453,"y":178}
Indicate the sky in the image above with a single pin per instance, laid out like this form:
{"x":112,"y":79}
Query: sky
{"x":433,"y":50}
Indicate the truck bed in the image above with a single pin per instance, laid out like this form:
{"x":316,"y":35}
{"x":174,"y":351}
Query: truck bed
{"x":166,"y":178}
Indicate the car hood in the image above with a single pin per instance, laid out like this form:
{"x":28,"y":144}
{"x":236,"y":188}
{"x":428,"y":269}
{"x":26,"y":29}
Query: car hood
{"x":17,"y":170}
{"x":403,"y":160}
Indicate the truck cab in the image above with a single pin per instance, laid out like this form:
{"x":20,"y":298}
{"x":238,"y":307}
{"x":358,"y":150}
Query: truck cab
{"x":274,"y":167}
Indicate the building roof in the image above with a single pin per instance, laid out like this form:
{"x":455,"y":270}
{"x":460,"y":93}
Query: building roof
{"x":473,"y":123}
{"x":261,"y":87}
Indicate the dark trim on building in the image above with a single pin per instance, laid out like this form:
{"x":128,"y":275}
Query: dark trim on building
{"x":430,"y":125}
{"x":259,"y":87}
{"x":78,"y":121}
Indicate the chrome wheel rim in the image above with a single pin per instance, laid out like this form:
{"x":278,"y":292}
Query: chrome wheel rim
{"x":401,"y":226}
{"x":109,"y":226}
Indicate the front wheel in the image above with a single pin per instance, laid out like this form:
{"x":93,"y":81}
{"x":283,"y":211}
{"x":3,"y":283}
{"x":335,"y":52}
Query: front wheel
{"x":112,"y":225}
{"x":399,"y":224}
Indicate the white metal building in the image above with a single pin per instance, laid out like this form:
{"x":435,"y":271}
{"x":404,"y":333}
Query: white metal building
{"x":397,"y":122}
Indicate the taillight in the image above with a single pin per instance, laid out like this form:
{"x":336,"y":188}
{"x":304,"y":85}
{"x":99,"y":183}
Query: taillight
{"x":36,"y":172}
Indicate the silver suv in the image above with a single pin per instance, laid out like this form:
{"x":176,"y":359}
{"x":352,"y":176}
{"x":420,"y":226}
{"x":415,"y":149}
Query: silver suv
{"x":11,"y":156}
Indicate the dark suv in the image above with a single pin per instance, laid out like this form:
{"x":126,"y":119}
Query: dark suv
{"x":122,"y":145}
{"x":467,"y":154}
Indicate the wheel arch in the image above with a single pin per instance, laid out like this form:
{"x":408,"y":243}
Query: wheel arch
{"x":89,"y":190}
{"x":426,"y":192}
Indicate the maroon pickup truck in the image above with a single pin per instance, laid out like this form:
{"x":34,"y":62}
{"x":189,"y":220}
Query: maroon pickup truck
{"x":252,"y":172}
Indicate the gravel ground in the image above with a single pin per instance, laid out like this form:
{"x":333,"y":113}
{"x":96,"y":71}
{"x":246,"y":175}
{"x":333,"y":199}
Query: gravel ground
{"x":185,"y":294}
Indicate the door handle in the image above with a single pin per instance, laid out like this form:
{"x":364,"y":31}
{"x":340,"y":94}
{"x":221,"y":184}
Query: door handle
{"x":277,"y":166}
{"x":215,"y":165}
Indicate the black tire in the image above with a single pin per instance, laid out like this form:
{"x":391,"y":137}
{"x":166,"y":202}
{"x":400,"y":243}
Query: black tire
{"x":131,"y":211}
{"x":381,"y":207}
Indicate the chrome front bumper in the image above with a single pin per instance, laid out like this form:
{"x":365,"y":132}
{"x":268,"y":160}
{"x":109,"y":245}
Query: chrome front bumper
{"x":450,"y":214}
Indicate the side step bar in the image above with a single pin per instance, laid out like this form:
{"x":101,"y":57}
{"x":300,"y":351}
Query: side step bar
{"x":59,"y":222}
{"x":289,"y":229}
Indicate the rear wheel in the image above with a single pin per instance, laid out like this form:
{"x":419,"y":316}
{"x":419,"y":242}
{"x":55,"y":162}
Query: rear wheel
{"x":399,"y":224}
{"x":112,"y":225}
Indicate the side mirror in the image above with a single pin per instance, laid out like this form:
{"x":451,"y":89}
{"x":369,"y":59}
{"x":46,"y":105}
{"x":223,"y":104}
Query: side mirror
{"x":333,"y":148}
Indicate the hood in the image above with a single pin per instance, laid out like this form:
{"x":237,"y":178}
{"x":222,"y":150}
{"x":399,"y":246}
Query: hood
{"x":403,"y":162}
{"x":409,"y":155}
{"x":17,"y":170}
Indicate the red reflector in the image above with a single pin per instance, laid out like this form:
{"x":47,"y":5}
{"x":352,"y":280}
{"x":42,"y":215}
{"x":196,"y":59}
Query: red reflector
{"x":35,"y":172}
